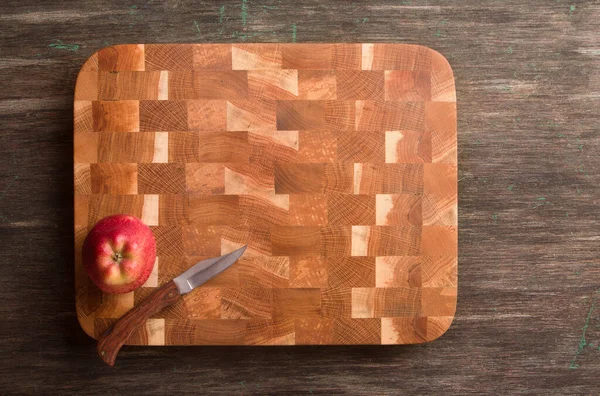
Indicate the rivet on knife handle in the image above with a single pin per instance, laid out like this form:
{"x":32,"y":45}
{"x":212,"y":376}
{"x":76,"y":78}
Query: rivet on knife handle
{"x":112,"y":341}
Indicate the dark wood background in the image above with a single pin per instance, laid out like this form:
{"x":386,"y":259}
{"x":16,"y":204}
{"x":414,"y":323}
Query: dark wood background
{"x":528,"y":89}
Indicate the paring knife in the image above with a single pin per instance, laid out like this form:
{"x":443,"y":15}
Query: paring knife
{"x":111,"y":342}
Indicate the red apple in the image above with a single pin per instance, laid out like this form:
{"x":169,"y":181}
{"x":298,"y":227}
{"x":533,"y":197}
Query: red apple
{"x":119,"y":253}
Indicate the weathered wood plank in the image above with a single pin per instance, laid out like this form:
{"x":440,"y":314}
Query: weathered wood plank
{"x":527,"y":79}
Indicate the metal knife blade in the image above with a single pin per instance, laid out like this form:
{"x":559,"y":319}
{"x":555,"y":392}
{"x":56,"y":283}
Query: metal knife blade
{"x":204,"y":270}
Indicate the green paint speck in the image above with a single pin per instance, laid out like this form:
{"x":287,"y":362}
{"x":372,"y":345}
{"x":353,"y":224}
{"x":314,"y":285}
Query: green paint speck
{"x":294,"y":30}
{"x":495,"y":217}
{"x":578,"y":191}
{"x":478,"y":141}
{"x":197,"y":28}
{"x":221,"y":13}
{"x":560,"y":135}
{"x":509,"y":50}
{"x":567,"y":214}
{"x":244,"y":12}
{"x":506,"y":88}
{"x":582,"y":342}
{"x":510,"y":188}
{"x":62,"y":46}
{"x":572,"y":10}
{"x":243,"y":383}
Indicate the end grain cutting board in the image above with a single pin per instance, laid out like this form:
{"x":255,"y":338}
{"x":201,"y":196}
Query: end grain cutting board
{"x":335,"y":163}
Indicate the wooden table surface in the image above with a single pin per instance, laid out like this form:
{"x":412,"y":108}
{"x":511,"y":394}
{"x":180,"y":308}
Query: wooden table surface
{"x":528,"y":83}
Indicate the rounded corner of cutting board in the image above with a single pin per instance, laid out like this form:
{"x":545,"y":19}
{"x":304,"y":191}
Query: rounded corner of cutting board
{"x":439,"y":60}
{"x":86,"y":323}
{"x":443,"y":326}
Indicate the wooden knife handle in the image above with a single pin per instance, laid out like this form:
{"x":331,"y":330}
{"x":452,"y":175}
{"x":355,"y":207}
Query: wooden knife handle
{"x":111,"y":342}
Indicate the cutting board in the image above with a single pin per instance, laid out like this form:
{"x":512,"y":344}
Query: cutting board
{"x":335,"y":163}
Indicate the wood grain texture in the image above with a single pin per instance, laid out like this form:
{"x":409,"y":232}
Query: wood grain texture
{"x":527,"y":81}
{"x":165,"y":148}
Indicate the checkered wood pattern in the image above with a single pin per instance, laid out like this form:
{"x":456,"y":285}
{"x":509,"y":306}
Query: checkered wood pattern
{"x":335,"y":163}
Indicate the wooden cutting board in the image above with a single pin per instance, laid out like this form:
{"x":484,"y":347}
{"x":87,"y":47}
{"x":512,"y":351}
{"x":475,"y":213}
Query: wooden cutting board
{"x":335,"y":163}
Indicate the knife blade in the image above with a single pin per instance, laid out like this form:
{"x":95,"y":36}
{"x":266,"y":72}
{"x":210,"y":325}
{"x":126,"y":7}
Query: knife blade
{"x":111,"y":342}
{"x":206,"y":269}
